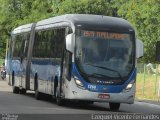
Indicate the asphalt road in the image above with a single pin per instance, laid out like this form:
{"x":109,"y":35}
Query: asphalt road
{"x":28,"y":106}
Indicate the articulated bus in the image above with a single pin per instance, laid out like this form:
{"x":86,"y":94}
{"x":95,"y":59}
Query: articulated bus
{"x":87,"y":58}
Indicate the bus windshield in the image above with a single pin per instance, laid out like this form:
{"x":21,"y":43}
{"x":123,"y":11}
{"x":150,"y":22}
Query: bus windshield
{"x":105,"y":55}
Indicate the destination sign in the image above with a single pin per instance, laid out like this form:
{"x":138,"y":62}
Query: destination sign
{"x":106,"y":35}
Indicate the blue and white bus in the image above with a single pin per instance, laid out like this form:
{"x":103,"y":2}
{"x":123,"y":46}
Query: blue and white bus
{"x":90,"y":58}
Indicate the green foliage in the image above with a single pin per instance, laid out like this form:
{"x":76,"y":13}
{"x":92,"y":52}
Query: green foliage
{"x":142,"y":14}
{"x":145,"y":17}
{"x":102,"y":7}
{"x":18,"y":12}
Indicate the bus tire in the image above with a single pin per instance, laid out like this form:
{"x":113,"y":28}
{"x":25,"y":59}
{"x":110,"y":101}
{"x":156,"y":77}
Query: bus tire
{"x":38,"y":95}
{"x":22,"y":91}
{"x":114,"y":106}
{"x":59,"y":100}
{"x":15,"y":89}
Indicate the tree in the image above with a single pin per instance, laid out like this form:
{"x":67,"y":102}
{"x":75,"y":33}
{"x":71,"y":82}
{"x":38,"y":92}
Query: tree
{"x":18,"y":12}
{"x":142,"y":14}
{"x":145,"y":17}
{"x":102,"y":7}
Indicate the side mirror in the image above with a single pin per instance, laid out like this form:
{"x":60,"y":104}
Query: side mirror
{"x":139,"y":48}
{"x":70,"y":42}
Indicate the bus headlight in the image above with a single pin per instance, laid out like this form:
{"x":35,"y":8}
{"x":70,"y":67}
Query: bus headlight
{"x":129,"y":86}
{"x":79,"y":83}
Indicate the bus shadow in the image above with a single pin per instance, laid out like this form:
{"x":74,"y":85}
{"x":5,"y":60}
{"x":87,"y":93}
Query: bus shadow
{"x":74,"y":104}
{"x":94,"y":107}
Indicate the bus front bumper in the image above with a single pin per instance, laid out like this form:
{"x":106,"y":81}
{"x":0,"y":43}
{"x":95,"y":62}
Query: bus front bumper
{"x":80,"y":94}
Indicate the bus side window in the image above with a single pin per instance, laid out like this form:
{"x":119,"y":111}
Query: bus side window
{"x":36,"y":47}
{"x":26,"y":44}
{"x":19,"y":44}
{"x":67,"y":65}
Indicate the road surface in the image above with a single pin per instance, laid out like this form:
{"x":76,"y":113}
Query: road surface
{"x":26,"y":104}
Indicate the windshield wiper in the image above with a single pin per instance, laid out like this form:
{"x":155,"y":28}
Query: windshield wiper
{"x":105,"y":68}
{"x":98,"y":75}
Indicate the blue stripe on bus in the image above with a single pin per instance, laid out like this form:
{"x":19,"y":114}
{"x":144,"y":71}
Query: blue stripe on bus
{"x":46,"y":69}
{"x":103,"y":88}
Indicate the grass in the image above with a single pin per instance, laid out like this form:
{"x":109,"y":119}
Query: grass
{"x":147,"y":86}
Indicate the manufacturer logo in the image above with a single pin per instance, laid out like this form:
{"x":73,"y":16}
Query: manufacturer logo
{"x":105,"y":82}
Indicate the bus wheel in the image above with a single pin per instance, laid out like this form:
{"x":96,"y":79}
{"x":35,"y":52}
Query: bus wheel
{"x":59,"y":100}
{"x":114,"y":106}
{"x":15,"y":89}
{"x":22,"y":91}
{"x":38,"y":95}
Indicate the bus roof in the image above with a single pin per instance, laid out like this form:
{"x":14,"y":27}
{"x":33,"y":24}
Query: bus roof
{"x":84,"y":21}
{"x":22,"y":28}
{"x":90,"y":21}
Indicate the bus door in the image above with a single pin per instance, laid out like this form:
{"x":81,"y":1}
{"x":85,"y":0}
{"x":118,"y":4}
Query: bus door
{"x":21,"y":69}
{"x":21,"y":74}
{"x":23,"y":60}
{"x":66,"y":73}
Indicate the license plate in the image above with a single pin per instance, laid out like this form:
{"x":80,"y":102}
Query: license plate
{"x":103,"y":96}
